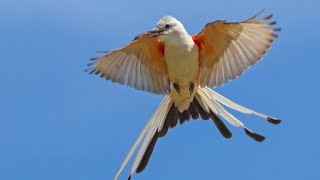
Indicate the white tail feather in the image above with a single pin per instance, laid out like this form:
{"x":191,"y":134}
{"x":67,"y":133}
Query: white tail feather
{"x":147,"y":133}
{"x":216,"y":107}
{"x":202,"y":104}
{"x":234,"y":105}
{"x":206,"y":101}
{"x":133,"y":148}
{"x":158,"y":120}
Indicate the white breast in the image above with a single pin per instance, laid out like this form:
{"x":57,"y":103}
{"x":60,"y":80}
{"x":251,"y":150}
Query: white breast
{"x":182,"y":62}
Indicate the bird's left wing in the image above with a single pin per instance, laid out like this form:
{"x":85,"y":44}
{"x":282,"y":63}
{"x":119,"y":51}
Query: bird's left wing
{"x":139,"y":64}
{"x":227,"y":49}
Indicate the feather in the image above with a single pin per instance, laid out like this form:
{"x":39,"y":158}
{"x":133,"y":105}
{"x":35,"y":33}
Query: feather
{"x":150,"y":128}
{"x":240,"y":108}
{"x":158,"y":119}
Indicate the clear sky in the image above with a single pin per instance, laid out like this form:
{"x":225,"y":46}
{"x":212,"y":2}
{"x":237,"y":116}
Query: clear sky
{"x":59,"y":123}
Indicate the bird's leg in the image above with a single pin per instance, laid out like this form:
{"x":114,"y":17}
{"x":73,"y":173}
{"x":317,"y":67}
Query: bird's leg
{"x":177,"y":88}
{"x":191,"y":88}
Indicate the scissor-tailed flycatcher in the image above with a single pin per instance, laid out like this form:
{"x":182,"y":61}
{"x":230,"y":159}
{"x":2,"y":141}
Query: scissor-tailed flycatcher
{"x":167,"y":60}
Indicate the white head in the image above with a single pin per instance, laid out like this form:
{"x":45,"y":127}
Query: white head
{"x":172,"y":28}
{"x":169,"y":24}
{"x":169,"y":29}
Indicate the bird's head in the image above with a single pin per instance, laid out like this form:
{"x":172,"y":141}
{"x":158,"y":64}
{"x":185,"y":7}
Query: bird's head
{"x":169,"y":28}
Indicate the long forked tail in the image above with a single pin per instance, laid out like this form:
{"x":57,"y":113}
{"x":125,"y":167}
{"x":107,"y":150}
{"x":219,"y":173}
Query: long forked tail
{"x":147,"y":138}
{"x":206,"y":104}
{"x":210,"y":101}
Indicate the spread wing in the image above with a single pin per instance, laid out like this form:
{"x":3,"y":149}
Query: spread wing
{"x":139,"y":64}
{"x":227,"y":49}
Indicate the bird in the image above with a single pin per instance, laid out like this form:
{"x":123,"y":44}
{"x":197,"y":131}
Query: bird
{"x":185,"y":68}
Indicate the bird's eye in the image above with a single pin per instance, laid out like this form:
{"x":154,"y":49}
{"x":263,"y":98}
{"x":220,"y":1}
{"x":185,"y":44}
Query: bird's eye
{"x":168,"y":26}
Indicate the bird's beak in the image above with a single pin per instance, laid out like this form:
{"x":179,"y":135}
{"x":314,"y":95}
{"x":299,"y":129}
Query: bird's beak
{"x":156,"y":32}
{"x":153,"y":33}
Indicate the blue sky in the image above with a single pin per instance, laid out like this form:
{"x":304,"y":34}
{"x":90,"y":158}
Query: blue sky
{"x":59,"y":123}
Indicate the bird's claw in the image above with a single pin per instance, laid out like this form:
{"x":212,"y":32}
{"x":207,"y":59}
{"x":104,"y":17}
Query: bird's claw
{"x":177,"y":88}
{"x":191,"y":88}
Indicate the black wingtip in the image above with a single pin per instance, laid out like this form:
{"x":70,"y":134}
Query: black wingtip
{"x":90,"y":69}
{"x":277,"y":29}
{"x":94,"y":58}
{"x":90,"y":64}
{"x":273,"y":120}
{"x":268,"y":17}
{"x":273,"y":23}
{"x":104,"y":52}
{"x":258,"y":14}
{"x":129,"y":177}
{"x":254,"y":136}
{"x":274,"y":35}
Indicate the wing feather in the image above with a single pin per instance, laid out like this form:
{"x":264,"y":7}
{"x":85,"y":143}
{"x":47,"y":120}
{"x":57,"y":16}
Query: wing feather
{"x":228,"y":49}
{"x":139,"y":64}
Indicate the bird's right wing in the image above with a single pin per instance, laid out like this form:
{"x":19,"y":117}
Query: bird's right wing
{"x":228,"y":49}
{"x":139,"y":64}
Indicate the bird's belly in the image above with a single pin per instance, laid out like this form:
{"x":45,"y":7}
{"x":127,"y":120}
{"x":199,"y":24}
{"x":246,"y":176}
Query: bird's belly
{"x":183,"y":68}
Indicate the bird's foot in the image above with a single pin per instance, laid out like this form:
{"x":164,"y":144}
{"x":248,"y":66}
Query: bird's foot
{"x":191,"y":88}
{"x":177,"y":88}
